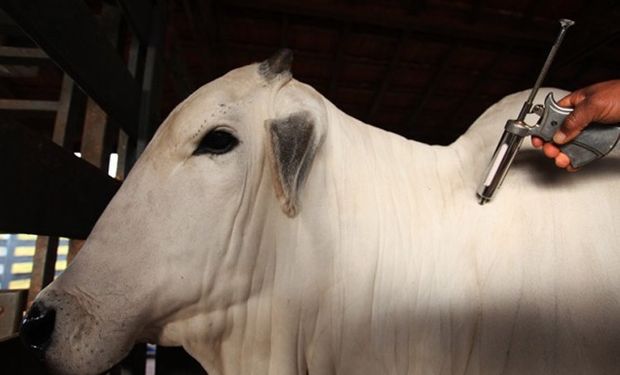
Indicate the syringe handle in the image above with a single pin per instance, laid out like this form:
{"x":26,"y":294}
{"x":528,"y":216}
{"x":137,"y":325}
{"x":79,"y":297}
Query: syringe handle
{"x":594,"y":142}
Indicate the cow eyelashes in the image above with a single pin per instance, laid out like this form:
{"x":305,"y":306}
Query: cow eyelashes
{"x":216,"y":142}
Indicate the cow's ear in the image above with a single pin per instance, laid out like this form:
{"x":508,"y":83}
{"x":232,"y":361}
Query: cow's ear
{"x":293,"y":142}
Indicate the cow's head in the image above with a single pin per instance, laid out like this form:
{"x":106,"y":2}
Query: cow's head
{"x":181,"y":239}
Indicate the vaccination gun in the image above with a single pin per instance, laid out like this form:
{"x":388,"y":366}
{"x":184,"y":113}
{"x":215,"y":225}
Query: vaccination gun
{"x":592,"y":143}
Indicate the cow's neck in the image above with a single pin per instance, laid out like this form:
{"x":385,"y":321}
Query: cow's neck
{"x":382,"y":169}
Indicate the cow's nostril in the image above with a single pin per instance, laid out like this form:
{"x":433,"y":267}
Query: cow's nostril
{"x":37,"y":327}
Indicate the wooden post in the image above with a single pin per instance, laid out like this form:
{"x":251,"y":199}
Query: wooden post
{"x":46,"y":249}
{"x":43,"y":264}
{"x":93,"y":135}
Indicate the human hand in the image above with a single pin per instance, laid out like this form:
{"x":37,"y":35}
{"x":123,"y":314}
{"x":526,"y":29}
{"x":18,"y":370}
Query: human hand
{"x":596,"y":103}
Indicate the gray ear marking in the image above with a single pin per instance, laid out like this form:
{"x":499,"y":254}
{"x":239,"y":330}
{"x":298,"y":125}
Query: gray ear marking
{"x":280,"y":62}
{"x":293,"y":144}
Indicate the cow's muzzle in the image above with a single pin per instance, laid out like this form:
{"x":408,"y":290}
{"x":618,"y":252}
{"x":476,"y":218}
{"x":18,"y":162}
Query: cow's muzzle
{"x":37,"y":328}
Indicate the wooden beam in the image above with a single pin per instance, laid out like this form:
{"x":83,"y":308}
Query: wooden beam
{"x":414,"y":7}
{"x":200,"y":36}
{"x":529,"y":11}
{"x":67,"y":31}
{"x":43,"y":265}
{"x":210,"y":14}
{"x":586,"y":49}
{"x":28,"y":105}
{"x":481,"y":79}
{"x":202,"y":20}
{"x":461,"y":31}
{"x":387,"y":77}
{"x":8,"y":27}
{"x":51,"y":192}
{"x":22,"y":56}
{"x":70,"y":113}
{"x":432,"y":85}
{"x":12,"y":305}
{"x":596,"y":27}
{"x":475,"y":11}
{"x":182,"y":82}
{"x":93,"y":136}
{"x":284,"y":30}
{"x":343,"y":36}
{"x":138,"y":15}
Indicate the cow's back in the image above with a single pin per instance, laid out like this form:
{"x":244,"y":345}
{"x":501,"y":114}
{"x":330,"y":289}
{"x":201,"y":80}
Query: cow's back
{"x":547,"y":261}
{"x":425,"y":280}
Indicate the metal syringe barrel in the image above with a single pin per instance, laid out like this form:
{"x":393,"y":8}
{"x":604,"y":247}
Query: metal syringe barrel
{"x":504,"y":154}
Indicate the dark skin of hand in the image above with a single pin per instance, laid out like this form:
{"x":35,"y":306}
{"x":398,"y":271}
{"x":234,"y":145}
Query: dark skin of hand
{"x":597,"y":103}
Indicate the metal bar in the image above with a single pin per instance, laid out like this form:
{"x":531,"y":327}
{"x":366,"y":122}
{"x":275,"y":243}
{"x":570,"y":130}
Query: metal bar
{"x":12,"y":244}
{"x":47,"y":180}
{"x":137,"y":56}
{"x":22,"y":56}
{"x":67,"y":31}
{"x":28,"y":105}
{"x":152,"y":81}
{"x":565,"y":24}
{"x":5,"y":278}
{"x":43,"y":264}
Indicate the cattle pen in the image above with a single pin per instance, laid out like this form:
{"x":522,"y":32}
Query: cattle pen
{"x":84,"y":85}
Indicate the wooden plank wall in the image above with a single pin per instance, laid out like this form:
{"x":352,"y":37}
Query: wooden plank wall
{"x":110,"y":99}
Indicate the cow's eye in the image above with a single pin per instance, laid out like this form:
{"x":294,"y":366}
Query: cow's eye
{"x":216,"y":142}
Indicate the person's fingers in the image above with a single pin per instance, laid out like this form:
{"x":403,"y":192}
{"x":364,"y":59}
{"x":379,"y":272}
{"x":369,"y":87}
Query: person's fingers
{"x":550,"y":150}
{"x":537,"y":142}
{"x":574,"y":123}
{"x":562,"y":160}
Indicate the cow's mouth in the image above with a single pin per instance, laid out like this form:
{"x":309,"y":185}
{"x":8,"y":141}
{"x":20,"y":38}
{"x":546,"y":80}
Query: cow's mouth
{"x":37,"y":328}
{"x":70,"y":339}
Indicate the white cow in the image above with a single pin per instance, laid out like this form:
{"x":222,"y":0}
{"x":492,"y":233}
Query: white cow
{"x":267,"y":232}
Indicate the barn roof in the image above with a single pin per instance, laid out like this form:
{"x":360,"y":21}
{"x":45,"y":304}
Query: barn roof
{"x":422,"y":68}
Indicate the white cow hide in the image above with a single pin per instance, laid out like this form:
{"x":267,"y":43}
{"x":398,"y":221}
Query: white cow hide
{"x":368,"y":255}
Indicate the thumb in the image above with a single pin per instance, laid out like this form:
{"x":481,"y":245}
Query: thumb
{"x":575,"y":122}
{"x":572,"y":99}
